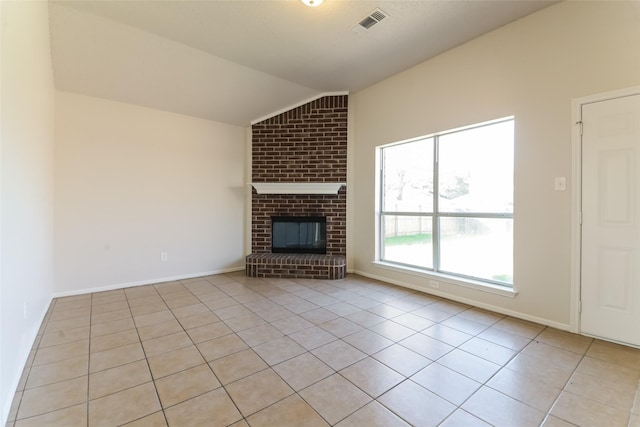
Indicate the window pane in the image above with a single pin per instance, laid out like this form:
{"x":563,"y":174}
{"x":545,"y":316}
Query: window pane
{"x":407,"y":239}
{"x":476,"y":169}
{"x":408,"y":177}
{"x":477,"y":247}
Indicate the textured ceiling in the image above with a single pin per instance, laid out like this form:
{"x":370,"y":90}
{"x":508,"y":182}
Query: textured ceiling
{"x":236,"y":61}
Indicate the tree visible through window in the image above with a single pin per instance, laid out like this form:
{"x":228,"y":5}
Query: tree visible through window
{"x":446,"y":202}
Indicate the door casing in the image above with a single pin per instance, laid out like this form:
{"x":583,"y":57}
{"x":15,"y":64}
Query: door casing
{"x":576,"y":194}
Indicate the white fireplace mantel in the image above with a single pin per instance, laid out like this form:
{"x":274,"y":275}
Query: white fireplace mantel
{"x":297,"y":187}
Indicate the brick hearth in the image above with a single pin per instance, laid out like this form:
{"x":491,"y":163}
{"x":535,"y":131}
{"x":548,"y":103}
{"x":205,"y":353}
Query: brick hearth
{"x":310,"y":266}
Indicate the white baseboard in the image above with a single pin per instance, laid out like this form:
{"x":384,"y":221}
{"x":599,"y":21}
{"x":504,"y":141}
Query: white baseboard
{"x":501,"y":310}
{"x":144,"y":282}
{"x":24,"y":356}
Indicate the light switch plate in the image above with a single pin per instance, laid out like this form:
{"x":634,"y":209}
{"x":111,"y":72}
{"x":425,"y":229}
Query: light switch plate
{"x":561,"y":183}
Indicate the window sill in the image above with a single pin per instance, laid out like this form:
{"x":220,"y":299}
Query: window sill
{"x":450,"y":280}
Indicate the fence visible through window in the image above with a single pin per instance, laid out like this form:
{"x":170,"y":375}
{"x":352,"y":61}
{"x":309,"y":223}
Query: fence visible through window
{"x":446,"y":202}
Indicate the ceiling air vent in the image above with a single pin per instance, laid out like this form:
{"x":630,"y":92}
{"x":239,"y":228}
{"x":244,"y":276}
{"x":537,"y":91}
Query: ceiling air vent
{"x":369,"y":21}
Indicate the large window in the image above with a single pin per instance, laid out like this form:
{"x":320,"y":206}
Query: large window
{"x":446,"y":202}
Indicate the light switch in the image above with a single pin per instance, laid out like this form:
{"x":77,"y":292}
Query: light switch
{"x":561,"y":183}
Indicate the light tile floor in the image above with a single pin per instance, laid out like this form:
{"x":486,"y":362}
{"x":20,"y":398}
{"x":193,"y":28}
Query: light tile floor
{"x":230,"y":350}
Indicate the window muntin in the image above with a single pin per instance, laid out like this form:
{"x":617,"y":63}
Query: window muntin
{"x":447,"y":202}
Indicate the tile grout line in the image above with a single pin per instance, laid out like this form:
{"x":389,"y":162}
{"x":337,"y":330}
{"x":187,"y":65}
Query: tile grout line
{"x":89,"y":355}
{"x":360,"y":294}
{"x":35,"y":349}
{"x":562,"y":390}
{"x":338,"y":372}
{"x":269,"y":366}
{"x":202,"y":355}
{"x":223,"y":386}
{"x":146,"y":359}
{"x":192,"y":294}
{"x":636,"y":405}
{"x":307,"y":351}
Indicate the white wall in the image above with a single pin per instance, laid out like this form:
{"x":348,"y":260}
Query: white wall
{"x":532,"y":69}
{"x":26,"y":232}
{"x":132,"y":182}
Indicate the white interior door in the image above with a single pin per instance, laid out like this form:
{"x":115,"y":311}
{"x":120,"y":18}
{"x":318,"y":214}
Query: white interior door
{"x":610,"y":265}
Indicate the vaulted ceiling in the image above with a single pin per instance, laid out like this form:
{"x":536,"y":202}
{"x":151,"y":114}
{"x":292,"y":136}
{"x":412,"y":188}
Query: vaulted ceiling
{"x":236,"y":61}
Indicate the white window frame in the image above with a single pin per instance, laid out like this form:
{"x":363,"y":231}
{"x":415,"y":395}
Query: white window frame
{"x":494,"y":286}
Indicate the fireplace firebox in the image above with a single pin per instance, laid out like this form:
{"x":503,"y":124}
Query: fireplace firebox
{"x":299,"y":234}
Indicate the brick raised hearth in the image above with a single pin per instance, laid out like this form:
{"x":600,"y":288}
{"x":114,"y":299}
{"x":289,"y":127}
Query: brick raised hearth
{"x":310,"y":266}
{"x":307,"y":144}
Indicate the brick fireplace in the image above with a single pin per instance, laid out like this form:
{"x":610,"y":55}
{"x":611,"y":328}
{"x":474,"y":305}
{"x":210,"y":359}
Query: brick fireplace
{"x":305,"y":145}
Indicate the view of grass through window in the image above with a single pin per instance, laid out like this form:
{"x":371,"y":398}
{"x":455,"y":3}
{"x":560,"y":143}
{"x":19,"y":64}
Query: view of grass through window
{"x":447,"y":202}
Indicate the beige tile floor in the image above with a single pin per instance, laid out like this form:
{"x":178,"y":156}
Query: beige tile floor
{"x":227,"y":350}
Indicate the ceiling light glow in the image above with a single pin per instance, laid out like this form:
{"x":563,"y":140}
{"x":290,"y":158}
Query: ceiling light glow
{"x":312,"y":3}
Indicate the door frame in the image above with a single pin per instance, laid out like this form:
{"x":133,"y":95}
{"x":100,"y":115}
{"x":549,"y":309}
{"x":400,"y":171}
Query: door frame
{"x":576,"y":195}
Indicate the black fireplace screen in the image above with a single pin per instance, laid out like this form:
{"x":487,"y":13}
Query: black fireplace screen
{"x":299,"y":234}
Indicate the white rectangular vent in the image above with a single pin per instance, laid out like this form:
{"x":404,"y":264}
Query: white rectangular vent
{"x":370,"y":20}
{"x":378,"y":15}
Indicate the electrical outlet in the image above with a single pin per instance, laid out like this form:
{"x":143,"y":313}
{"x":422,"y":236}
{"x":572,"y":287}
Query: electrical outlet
{"x":434,"y":284}
{"x":163,"y":256}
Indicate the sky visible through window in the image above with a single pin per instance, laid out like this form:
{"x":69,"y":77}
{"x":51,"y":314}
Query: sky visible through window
{"x":473,"y":210}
